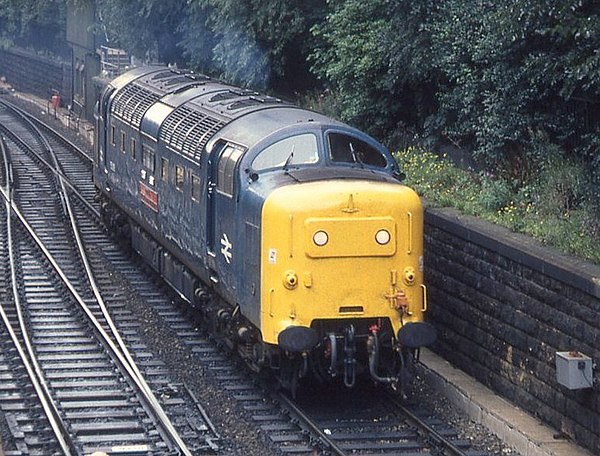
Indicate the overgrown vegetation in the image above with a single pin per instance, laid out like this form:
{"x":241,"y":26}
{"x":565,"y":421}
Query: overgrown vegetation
{"x":515,"y":84}
{"x":555,"y":207}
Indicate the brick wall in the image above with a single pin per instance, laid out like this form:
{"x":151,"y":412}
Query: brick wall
{"x":28,"y":72}
{"x":503,"y":306}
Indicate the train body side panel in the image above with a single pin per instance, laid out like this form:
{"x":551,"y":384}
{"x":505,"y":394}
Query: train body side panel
{"x":149,"y":196}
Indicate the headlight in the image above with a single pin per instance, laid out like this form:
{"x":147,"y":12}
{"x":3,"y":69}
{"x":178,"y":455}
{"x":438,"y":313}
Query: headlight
{"x":320,"y":238}
{"x":383,"y":237}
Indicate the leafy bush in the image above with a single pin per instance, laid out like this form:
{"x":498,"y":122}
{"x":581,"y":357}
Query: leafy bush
{"x":438,"y":180}
{"x":556,"y":207}
{"x":495,"y":193}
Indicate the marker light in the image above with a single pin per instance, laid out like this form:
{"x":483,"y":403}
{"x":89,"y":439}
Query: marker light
{"x":320,"y":238}
{"x":383,"y":237}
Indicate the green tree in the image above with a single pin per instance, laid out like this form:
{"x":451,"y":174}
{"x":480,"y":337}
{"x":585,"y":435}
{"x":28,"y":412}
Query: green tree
{"x":259,"y":43}
{"x":520,"y":74}
{"x":40,"y":25}
{"x":148,"y":29}
{"x":563,"y":39}
{"x":375,"y":56}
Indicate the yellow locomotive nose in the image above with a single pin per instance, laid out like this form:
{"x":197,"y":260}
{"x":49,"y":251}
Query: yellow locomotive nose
{"x":337,"y":251}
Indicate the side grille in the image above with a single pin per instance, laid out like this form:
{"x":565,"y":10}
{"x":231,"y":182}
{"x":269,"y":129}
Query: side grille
{"x":188,"y":131}
{"x":132,"y":102}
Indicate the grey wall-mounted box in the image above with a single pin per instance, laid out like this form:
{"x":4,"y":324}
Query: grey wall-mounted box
{"x":574,"y":370}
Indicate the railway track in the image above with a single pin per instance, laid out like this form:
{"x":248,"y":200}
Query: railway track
{"x":330,"y":422}
{"x":337,"y":422}
{"x":90,"y":389}
{"x":372,"y":421}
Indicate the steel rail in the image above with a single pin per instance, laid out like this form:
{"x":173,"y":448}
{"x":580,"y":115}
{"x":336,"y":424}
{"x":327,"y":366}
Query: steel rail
{"x":34,"y":119}
{"x":121,"y":353}
{"x":310,"y":423}
{"x":29,"y":359}
{"x":431,"y":432}
{"x":124,"y":351}
{"x":55,"y":170}
{"x":151,"y":399}
{"x":445,"y":447}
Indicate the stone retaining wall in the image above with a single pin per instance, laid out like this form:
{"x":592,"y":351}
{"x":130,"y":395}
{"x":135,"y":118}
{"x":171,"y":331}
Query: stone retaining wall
{"x":504,"y":305}
{"x":28,"y":72}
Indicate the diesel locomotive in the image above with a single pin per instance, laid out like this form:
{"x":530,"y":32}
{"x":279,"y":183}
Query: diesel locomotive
{"x":289,"y":231}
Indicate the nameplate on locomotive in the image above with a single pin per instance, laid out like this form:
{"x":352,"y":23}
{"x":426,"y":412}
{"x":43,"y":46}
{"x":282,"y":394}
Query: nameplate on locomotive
{"x":148,"y":196}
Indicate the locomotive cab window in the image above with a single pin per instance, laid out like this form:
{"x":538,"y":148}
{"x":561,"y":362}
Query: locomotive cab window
{"x":347,"y":149}
{"x":295,"y":150}
{"x":229,"y":158}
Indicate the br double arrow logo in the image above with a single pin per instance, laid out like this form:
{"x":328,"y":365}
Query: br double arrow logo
{"x":226,"y":250}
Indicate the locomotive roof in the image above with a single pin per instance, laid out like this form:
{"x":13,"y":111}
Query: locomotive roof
{"x":186,"y":110}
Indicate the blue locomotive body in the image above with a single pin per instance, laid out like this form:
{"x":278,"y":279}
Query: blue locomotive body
{"x":185,"y":166}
